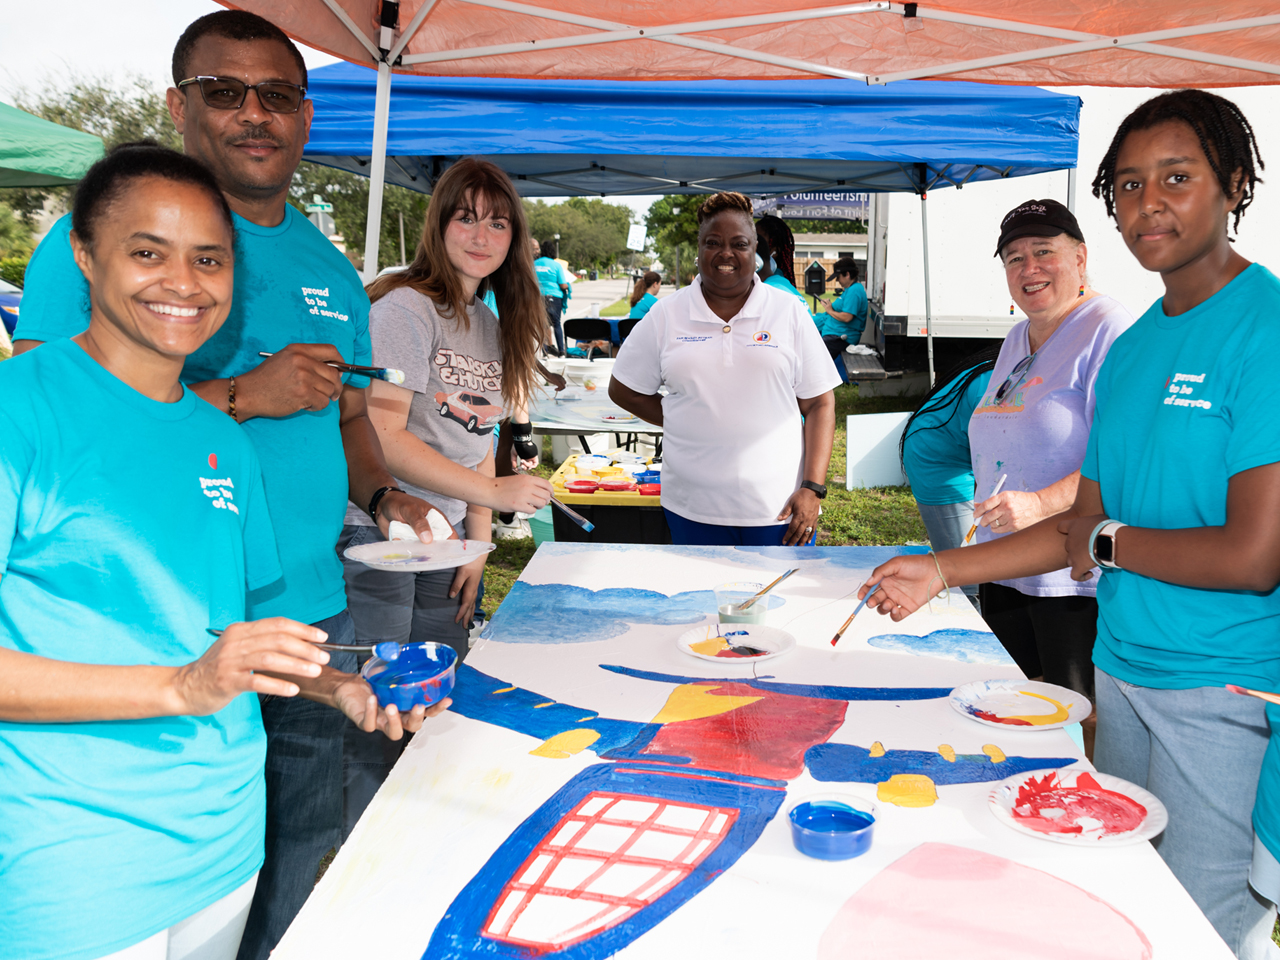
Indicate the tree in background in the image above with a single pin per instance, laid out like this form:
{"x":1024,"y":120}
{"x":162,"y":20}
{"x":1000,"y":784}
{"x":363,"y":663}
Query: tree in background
{"x":670,"y":231}
{"x":593,"y":233}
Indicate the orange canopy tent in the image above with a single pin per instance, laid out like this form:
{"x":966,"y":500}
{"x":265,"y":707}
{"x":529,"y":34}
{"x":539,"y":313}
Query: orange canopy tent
{"x":1161,"y":43}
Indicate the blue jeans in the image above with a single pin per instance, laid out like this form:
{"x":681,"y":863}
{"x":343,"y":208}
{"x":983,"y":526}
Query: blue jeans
{"x":555,"y":307}
{"x":304,"y":801}
{"x":691,"y":532}
{"x":407,"y":608}
{"x":946,"y":524}
{"x":1199,"y":751}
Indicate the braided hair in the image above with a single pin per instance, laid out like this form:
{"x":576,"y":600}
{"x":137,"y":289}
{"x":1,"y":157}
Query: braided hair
{"x":783,"y":244}
{"x":951,"y":386}
{"x":1225,"y":137}
{"x":720,"y":202}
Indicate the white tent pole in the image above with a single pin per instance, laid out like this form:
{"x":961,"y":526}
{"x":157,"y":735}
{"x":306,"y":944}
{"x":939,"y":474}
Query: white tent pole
{"x":352,"y":28}
{"x":410,"y":30}
{"x":1071,"y":189}
{"x":377,"y":170}
{"x":928,"y":302}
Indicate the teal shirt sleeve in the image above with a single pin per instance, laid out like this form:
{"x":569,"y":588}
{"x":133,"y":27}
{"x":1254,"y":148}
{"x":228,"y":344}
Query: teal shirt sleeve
{"x":363,"y":346}
{"x":16,"y":455}
{"x":55,"y":294}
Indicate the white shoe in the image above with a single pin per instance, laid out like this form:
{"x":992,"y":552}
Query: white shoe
{"x":517,"y":529}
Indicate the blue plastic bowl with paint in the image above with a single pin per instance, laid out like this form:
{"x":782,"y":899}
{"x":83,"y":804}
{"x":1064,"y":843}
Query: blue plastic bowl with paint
{"x":423,"y":673}
{"x":833,"y":827}
{"x":649,"y":476}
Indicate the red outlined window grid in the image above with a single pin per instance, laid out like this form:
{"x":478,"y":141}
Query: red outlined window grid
{"x":531,"y":880}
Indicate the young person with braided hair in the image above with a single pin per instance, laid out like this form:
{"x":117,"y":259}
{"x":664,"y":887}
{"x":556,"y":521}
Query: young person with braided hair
{"x":1179,"y":504}
{"x":749,"y":417}
{"x":935,"y":456}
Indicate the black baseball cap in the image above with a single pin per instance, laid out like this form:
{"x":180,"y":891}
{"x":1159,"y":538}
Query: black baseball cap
{"x":844,"y":265}
{"x":1038,"y":218}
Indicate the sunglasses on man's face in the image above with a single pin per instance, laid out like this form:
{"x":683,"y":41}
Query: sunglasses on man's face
{"x":226,"y":93}
{"x":1014,"y":378}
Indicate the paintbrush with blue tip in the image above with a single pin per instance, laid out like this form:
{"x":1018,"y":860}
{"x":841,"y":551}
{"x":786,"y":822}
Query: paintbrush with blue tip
{"x":387,"y":650}
{"x":856,"y":610}
{"x":377,"y":373}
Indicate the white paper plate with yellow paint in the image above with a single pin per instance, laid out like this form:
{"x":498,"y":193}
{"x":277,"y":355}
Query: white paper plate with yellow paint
{"x":1020,"y":704}
{"x":411,"y":556}
{"x":736,"y":642}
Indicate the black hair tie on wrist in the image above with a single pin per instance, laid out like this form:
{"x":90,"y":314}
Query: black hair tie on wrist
{"x":377,"y":499}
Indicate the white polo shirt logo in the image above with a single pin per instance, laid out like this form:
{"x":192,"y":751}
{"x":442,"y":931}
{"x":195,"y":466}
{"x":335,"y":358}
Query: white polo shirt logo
{"x":761,"y":336}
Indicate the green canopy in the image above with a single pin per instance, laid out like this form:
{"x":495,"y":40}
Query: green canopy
{"x":37,"y":153}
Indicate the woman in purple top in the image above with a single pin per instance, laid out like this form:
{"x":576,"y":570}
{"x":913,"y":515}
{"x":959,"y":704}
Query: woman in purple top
{"x":1031,"y":428}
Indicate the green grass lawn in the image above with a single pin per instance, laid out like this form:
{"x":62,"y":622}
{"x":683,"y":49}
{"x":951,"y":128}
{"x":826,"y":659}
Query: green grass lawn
{"x":880,"y":515}
{"x":619,"y":308}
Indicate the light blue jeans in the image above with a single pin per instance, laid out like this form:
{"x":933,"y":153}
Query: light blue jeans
{"x":946,"y":524}
{"x":1200,"y":752}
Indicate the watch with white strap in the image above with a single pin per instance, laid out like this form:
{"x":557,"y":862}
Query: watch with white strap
{"x":1102,"y":545}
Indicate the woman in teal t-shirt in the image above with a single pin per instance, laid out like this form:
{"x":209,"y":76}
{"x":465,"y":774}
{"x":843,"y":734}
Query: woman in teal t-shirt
{"x":1179,"y":503}
{"x":645,"y":294}
{"x":934,"y":451}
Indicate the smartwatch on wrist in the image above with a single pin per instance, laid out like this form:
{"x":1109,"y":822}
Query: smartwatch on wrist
{"x":1102,"y":548}
{"x":819,"y":490}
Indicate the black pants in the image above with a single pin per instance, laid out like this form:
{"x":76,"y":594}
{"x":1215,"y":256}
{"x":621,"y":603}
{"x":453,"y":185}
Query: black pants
{"x":555,"y":306}
{"x":1046,"y":636}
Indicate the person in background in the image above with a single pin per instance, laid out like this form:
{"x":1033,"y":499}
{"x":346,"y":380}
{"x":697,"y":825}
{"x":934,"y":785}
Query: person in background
{"x":239,"y":102}
{"x":645,"y":294}
{"x":767,"y":271}
{"x":463,"y":367}
{"x":1178,"y":504}
{"x":555,"y":284}
{"x":934,"y":451}
{"x":1032,"y":426}
{"x":782,"y":247}
{"x":749,"y":416}
{"x":133,"y":808}
{"x":844,"y":319}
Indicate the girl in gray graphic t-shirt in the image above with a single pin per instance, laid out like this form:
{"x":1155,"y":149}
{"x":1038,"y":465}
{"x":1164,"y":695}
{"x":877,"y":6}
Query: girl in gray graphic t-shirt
{"x":463,"y":368}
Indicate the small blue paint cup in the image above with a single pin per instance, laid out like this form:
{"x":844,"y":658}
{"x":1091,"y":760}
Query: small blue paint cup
{"x":832,"y":826}
{"x":423,"y":673}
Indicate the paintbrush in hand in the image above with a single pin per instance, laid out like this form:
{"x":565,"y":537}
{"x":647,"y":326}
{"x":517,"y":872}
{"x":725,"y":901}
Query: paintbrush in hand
{"x":856,"y":610}
{"x":996,"y":492}
{"x":377,"y":373}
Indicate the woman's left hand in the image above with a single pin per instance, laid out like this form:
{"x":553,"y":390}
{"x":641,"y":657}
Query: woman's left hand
{"x":1010,"y":511}
{"x":466,"y":584}
{"x":802,"y":508}
{"x":356,"y":699}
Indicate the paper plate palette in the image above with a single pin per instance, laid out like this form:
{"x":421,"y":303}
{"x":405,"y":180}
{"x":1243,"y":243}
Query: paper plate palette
{"x":1020,"y":704}
{"x":410,"y":556}
{"x":619,"y":418}
{"x":1078,"y":807}
{"x":736,"y":642}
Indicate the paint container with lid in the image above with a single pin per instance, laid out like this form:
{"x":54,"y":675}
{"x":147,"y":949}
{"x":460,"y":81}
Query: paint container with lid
{"x":423,"y":673}
{"x":617,"y":484}
{"x":649,"y":476}
{"x":650,"y":489}
{"x":581,"y":486}
{"x":832,"y":826}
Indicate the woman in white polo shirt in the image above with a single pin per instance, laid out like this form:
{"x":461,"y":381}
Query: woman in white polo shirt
{"x":749,"y":414}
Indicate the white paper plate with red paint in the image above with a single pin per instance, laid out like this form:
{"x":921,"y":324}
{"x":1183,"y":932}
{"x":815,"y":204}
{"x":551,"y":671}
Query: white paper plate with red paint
{"x":1078,"y":807}
{"x":1020,"y":704}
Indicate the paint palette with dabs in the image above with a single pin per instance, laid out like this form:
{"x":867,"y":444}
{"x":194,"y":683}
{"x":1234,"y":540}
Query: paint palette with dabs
{"x":1078,"y":807}
{"x":1026,"y":704}
{"x":410,"y":556}
{"x":735,"y":642}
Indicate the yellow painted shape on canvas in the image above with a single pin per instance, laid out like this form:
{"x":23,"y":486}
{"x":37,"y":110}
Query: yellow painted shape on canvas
{"x":948,"y":752}
{"x":693,"y":702}
{"x":994,"y":752}
{"x":877,"y":749}
{"x":908,"y":790}
{"x":565,"y":744}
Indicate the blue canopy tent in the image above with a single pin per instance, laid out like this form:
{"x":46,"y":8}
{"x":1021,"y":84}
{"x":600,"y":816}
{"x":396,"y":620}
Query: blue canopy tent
{"x":762,"y":138}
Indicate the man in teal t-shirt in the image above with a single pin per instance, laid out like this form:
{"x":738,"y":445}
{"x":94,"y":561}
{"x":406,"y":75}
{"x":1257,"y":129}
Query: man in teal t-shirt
{"x":300,"y":299}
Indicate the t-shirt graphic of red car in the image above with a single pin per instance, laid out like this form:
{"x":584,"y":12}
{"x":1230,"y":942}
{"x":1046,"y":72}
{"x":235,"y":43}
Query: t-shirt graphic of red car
{"x":471,"y":410}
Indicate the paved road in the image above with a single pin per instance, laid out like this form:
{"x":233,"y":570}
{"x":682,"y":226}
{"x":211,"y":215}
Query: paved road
{"x":604,"y":292}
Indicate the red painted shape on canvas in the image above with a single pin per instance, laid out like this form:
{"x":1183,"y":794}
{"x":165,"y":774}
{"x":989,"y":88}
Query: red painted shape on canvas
{"x":766,"y":738}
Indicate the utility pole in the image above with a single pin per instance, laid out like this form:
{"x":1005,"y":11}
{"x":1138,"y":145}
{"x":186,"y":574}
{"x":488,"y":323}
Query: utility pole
{"x":402,"y":259}
{"x":557,"y":239}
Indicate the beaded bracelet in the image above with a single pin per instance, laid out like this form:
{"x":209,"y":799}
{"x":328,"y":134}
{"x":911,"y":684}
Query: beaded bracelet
{"x":231,"y":398}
